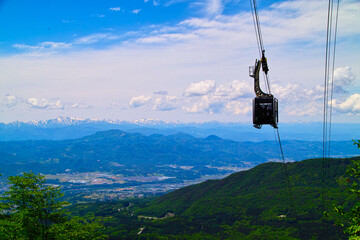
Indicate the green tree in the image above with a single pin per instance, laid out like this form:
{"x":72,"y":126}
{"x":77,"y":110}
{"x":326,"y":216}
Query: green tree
{"x":350,"y":218}
{"x":31,"y":210}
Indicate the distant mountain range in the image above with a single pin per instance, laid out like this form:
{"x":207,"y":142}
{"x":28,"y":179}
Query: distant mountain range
{"x":119,"y":151}
{"x":63,"y":128}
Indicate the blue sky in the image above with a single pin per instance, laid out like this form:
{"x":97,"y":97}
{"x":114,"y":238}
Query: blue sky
{"x":171,"y":60}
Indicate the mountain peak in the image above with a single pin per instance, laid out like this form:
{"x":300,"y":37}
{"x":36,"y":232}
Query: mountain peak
{"x":213,"y":138}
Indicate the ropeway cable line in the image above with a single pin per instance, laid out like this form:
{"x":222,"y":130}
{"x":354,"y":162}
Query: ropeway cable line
{"x":265,"y":105}
{"x":331,"y":36}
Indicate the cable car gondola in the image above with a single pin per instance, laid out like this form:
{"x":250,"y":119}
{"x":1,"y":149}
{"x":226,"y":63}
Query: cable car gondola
{"x":265,"y":105}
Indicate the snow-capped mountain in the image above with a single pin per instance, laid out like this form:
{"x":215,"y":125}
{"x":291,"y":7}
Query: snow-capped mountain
{"x":62,"y":128}
{"x":73,"y":121}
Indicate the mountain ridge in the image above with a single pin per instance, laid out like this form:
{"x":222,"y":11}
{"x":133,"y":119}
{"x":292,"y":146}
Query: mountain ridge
{"x":63,"y":128}
{"x":135,"y":150}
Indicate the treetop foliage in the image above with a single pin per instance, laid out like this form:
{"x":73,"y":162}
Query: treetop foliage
{"x":350,"y":217}
{"x":31,"y":210}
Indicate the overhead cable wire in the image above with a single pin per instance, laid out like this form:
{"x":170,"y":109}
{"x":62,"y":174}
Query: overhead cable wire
{"x":253,"y":4}
{"x":258,"y":33}
{"x":332,"y":74}
{"x":260,"y":44}
{"x":326,"y":105}
{"x":286,"y":173}
{"x":331,"y":36}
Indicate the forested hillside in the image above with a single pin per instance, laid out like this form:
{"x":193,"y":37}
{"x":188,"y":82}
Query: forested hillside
{"x":253,"y":204}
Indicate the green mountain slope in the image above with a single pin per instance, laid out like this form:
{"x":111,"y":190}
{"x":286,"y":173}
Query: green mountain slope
{"x":259,"y":187}
{"x":253,"y":204}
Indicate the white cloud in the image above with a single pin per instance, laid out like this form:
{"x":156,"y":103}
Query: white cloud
{"x":54,"y":45}
{"x":239,"y":107}
{"x":9,"y":101}
{"x":43,"y":103}
{"x":43,"y":46}
{"x":304,"y":109}
{"x":136,"y":11}
{"x":94,"y":38}
{"x":214,"y":7}
{"x":207,"y":104}
{"x":139,"y":101}
{"x":232,"y":97}
{"x":235,"y":89}
{"x":296,"y":93}
{"x":80,"y":106}
{"x":115,"y":9}
{"x":166,"y":103}
{"x":38,"y":102}
{"x":343,"y":77}
{"x":351,"y":105}
{"x":51,"y":46}
{"x":200,"y":88}
{"x":163,"y":103}
{"x":166,"y":38}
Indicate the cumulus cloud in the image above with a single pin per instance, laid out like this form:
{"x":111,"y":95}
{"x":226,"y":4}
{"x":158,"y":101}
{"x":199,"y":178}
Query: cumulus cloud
{"x":9,"y":102}
{"x":200,"y":88}
{"x":230,"y":97}
{"x":166,"y":103}
{"x":235,"y":89}
{"x":43,"y":103}
{"x":309,"y":109}
{"x":239,"y":107}
{"x":343,"y":77}
{"x":38,"y":102}
{"x":207,"y":103}
{"x":157,"y":103}
{"x":296,"y":93}
{"x":139,"y":101}
{"x":351,"y":105}
{"x":235,"y":97}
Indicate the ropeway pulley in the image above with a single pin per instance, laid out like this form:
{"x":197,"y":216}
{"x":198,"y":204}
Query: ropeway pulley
{"x":265,"y":105}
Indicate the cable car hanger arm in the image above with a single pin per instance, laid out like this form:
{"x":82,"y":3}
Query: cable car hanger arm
{"x":255,"y":73}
